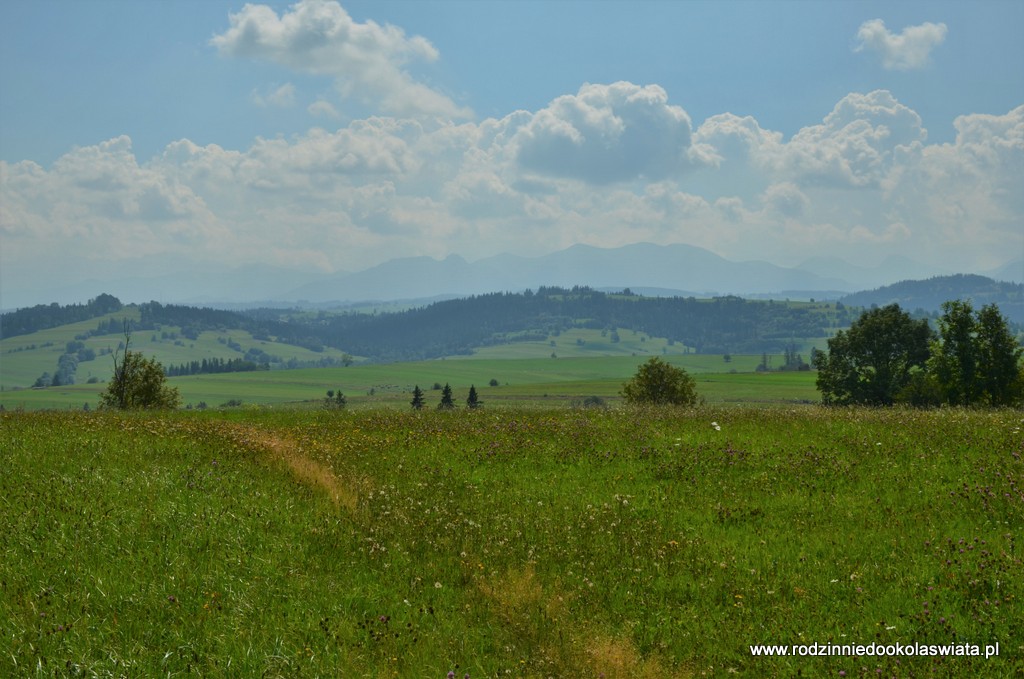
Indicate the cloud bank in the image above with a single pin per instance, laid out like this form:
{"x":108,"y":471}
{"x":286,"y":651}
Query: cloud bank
{"x":609,"y":165}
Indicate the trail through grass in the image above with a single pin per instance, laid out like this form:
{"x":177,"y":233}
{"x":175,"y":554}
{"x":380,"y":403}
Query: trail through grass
{"x":572,"y":543}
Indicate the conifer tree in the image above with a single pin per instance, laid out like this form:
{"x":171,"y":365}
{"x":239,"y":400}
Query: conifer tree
{"x":446,"y":398}
{"x":474,"y":400}
{"x":417,"y":398}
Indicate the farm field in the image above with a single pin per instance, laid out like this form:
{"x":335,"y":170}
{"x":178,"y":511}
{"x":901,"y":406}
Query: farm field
{"x":508,"y":542}
{"x":521,"y":382}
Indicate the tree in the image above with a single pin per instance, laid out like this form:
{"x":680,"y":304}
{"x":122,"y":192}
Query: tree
{"x":138,"y":382}
{"x":335,"y":399}
{"x":871,"y":363}
{"x":417,"y":398}
{"x":473,"y":401}
{"x":446,"y":398}
{"x":1001,"y":375}
{"x":660,"y":383}
{"x":954,"y":360}
{"x":976,"y":360}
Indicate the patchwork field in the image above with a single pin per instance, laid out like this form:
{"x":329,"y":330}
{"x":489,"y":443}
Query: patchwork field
{"x":509,"y":542}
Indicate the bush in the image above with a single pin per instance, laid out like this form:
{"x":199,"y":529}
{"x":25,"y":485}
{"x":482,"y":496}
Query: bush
{"x":659,"y":383}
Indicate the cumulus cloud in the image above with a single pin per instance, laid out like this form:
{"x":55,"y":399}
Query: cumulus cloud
{"x":907,"y":51}
{"x":855,"y":143}
{"x":787,"y":199}
{"x":853,"y":146}
{"x":864,"y":179}
{"x":607,"y":133}
{"x":367,"y":60}
{"x":98,"y":202}
{"x":966,"y":194}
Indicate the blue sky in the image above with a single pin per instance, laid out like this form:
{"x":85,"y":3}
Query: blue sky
{"x":335,"y":136}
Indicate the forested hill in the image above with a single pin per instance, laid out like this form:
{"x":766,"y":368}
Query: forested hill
{"x":719,"y":325}
{"x":928,"y":295}
{"x":46,"y":316}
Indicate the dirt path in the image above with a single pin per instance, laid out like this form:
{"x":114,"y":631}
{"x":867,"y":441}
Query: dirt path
{"x":288,"y":451}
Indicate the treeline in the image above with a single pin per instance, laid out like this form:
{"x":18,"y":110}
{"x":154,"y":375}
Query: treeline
{"x":215,"y":365}
{"x":45,"y":316}
{"x":719,"y":325}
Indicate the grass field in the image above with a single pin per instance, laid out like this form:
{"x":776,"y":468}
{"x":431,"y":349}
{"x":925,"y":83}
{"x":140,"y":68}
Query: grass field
{"x":508,"y":542}
{"x":568,"y":366}
{"x":521,"y":382}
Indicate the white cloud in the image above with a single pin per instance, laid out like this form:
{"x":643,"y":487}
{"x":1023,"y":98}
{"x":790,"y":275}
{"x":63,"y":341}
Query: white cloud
{"x":366,"y":60}
{"x":864,"y":181}
{"x":607,"y":133}
{"x":907,"y":51}
{"x":322,"y":109}
{"x":283,"y":97}
{"x":854,"y":145}
{"x":966,"y":195}
{"x":98,"y":203}
{"x":786,"y":199}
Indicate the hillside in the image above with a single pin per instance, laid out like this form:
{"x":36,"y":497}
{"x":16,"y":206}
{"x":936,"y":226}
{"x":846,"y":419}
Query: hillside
{"x":454,"y":327}
{"x":928,"y":295}
{"x":38,"y":349}
{"x":79,"y":352}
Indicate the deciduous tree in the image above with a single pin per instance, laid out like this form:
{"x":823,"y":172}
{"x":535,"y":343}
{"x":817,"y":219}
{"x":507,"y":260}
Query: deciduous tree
{"x":660,"y":383}
{"x":975,"y":359}
{"x":138,"y":382}
{"x":871,"y":363}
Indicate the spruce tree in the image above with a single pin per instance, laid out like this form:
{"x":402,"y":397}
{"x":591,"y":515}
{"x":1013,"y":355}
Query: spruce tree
{"x":446,"y":398}
{"x":473,"y":401}
{"x":417,"y":398}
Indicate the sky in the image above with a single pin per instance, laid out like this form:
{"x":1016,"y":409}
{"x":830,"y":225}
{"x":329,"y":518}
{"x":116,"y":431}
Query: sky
{"x":186,"y":135}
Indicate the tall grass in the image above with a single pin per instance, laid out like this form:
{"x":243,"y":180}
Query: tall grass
{"x":507,"y":543}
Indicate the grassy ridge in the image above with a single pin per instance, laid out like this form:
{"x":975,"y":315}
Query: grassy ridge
{"x":507,"y":543}
{"x":24,"y":358}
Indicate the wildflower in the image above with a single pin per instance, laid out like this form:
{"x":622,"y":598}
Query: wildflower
{"x":716,"y":426}
{"x":437,"y":585}
{"x":451,"y":674}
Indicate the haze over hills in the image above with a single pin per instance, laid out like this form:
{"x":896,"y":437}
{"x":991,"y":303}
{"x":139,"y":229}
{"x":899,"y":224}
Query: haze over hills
{"x":668,"y":269}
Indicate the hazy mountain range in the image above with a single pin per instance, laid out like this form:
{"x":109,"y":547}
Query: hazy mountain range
{"x":652,"y":269}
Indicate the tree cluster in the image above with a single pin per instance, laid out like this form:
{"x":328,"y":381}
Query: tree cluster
{"x":447,"y":401}
{"x":214,"y":366}
{"x":887,"y":357}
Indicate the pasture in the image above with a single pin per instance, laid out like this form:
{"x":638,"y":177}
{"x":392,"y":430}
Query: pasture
{"x":382,"y":542}
{"x":525,"y":382}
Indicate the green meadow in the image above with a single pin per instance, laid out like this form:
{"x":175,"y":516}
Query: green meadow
{"x":525,"y":542}
{"x":555,"y":382}
{"x":563,"y":368}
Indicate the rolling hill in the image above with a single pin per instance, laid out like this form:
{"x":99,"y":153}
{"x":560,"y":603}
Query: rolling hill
{"x":928,"y":295}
